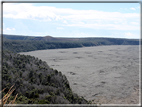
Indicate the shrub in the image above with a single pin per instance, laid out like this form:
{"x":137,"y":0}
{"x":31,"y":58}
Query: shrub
{"x":48,"y":97}
{"x":43,"y":102}
{"x":36,"y":95}
{"x":56,"y":72}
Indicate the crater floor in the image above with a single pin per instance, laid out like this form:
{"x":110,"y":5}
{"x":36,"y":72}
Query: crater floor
{"x":104,"y":74}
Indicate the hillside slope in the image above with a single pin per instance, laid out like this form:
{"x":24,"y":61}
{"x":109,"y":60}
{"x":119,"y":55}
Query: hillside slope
{"x":35,"y":82}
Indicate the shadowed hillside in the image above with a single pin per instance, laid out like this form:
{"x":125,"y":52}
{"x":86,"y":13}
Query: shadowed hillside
{"x":28,"y":43}
{"x":35,"y":82}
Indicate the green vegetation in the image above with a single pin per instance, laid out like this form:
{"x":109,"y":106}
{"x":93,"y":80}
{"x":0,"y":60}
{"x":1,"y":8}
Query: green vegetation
{"x":25,"y":43}
{"x":35,"y":82}
{"x":25,"y":46}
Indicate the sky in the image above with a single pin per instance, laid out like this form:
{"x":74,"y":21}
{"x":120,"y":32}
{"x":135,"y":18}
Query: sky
{"x":115,"y":20}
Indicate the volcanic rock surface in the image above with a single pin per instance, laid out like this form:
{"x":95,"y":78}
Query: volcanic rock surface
{"x":104,"y":74}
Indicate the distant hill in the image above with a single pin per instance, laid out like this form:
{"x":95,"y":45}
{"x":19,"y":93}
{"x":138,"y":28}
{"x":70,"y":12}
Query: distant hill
{"x":46,"y":38}
{"x":63,"y":39}
{"x":18,"y":37}
{"x":19,"y":43}
{"x":57,"y":39}
{"x":38,"y":38}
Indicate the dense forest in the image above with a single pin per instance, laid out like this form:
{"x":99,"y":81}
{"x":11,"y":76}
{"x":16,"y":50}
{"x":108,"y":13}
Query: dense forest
{"x":27,"y":43}
{"x":35,"y":82}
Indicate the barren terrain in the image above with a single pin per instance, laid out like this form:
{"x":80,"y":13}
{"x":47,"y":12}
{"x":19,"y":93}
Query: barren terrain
{"x":104,"y":74}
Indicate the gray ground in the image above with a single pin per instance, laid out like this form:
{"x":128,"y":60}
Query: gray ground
{"x":93,"y":72}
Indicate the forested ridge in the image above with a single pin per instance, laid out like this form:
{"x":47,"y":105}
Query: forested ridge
{"x":35,"y":82}
{"x":27,"y":43}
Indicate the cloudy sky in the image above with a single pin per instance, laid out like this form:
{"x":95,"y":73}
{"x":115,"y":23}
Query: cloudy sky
{"x":117,"y":20}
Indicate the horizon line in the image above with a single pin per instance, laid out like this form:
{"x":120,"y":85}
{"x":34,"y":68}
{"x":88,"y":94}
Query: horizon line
{"x":69,"y":37}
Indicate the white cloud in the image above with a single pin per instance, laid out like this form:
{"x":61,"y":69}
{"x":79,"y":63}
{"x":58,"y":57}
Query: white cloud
{"x":128,"y":34}
{"x":75,"y":18}
{"x":28,"y":11}
{"x":131,"y":35}
{"x":60,"y":28}
{"x":132,"y":8}
{"x":65,"y":22}
{"x":106,"y":26}
{"x":135,"y":23}
{"x":9,"y":29}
